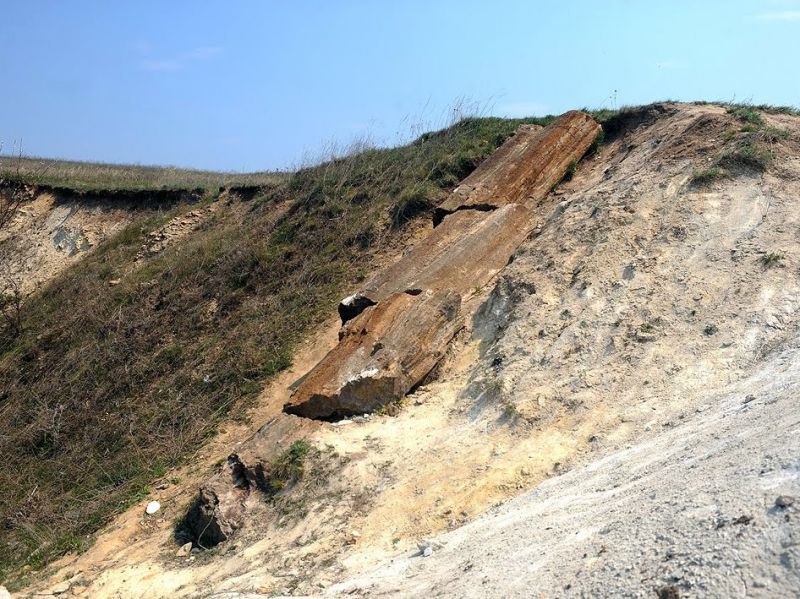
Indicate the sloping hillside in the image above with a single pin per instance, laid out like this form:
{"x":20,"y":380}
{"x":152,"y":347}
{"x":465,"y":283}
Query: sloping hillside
{"x":139,"y":343}
{"x":657,"y":292}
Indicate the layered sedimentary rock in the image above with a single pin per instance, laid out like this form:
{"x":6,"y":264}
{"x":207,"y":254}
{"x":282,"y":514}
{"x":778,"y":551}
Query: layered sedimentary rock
{"x":526,"y":167}
{"x":381,"y":355}
{"x":397,"y":327}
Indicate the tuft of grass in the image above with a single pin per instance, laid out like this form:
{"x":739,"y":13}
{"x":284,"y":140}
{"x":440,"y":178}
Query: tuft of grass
{"x":287,"y":468}
{"x":771,"y":259}
{"x":494,"y":386}
{"x":746,"y":113}
{"x":709,"y":175}
{"x":747,"y":154}
{"x":773,"y":134}
{"x":414,"y":201}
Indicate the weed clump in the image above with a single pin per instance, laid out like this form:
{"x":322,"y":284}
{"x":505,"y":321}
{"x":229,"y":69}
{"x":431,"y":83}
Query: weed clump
{"x":287,"y":469}
{"x":418,"y":199}
{"x":707,"y":176}
{"x":746,"y":113}
{"x":771,"y":259}
{"x":745,"y":155}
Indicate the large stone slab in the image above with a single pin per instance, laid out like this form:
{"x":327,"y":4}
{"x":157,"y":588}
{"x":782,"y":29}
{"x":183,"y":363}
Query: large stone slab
{"x":462,"y":254}
{"x":382,"y":354}
{"x":397,"y":327}
{"x":527,"y":166}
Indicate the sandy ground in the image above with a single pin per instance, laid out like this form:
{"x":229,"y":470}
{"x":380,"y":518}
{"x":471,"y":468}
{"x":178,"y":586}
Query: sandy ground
{"x":641,"y":307}
{"x":701,"y":507}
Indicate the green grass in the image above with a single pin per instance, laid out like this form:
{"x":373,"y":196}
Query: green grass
{"x":709,"y":175}
{"x":746,"y":154}
{"x":287,"y":468}
{"x":109,"y":386}
{"x":92,"y":176}
{"x":745,"y":113}
{"x":771,"y":259}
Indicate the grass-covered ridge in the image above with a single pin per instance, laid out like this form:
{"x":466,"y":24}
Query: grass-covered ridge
{"x":92,"y":176}
{"x":111,"y":384}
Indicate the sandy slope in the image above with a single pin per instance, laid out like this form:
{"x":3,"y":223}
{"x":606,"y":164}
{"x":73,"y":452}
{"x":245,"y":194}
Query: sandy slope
{"x":620,"y":340}
{"x":692,"y":507}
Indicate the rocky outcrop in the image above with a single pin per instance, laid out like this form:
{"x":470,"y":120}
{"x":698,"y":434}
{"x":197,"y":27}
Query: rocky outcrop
{"x":397,"y":327}
{"x":381,"y":355}
{"x":526,"y":167}
{"x":219,"y":507}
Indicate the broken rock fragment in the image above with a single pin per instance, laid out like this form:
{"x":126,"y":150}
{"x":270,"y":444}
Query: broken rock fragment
{"x":381,"y":355}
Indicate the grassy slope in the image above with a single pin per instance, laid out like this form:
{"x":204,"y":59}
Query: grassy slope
{"x":88,"y":176}
{"x":110,"y":385}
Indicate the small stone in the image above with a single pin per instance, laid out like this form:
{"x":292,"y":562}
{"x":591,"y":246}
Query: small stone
{"x":79,"y":590}
{"x":59,"y":589}
{"x":427,"y":552}
{"x":749,"y":398}
{"x":184,"y":550}
{"x":784,"y":501}
{"x":152,"y":508}
{"x":114,"y":282}
{"x":4,"y":594}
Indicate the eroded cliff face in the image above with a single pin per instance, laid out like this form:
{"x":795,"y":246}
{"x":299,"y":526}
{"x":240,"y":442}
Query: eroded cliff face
{"x":641,"y":297}
{"x":54,"y":228}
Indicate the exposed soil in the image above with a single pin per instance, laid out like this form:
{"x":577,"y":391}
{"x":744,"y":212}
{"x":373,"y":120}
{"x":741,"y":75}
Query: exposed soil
{"x":618,"y":346}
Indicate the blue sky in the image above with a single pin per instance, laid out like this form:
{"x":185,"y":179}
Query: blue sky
{"x":255,"y":85}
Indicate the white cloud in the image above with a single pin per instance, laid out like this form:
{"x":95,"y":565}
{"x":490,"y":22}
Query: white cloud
{"x":671,"y":65}
{"x":160,"y":65}
{"x":520,"y":109}
{"x":148,"y":62}
{"x":203,"y":52}
{"x":786,"y":15}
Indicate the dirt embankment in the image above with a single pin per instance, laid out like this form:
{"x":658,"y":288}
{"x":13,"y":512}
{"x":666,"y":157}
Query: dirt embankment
{"x":623,"y":335}
{"x":57,"y":226}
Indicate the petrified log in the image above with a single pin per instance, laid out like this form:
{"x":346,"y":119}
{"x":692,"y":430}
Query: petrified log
{"x":463,"y":253}
{"x":527,"y":166}
{"x":471,"y":245}
{"x":219,"y":507}
{"x":381,"y":355}
{"x":397,"y":327}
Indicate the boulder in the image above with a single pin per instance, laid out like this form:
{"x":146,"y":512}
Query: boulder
{"x":382,"y":353}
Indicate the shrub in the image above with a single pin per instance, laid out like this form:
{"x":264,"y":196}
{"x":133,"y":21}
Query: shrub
{"x":771,"y":259}
{"x":745,"y":113}
{"x":706,"y":176}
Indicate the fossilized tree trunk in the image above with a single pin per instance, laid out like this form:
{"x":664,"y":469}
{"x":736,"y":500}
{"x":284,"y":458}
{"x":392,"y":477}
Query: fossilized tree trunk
{"x":397,"y":327}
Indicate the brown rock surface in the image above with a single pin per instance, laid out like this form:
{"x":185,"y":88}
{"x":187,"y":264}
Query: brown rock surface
{"x":394,"y":340}
{"x":464,"y":252}
{"x":381,"y":355}
{"x":527,"y":166}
